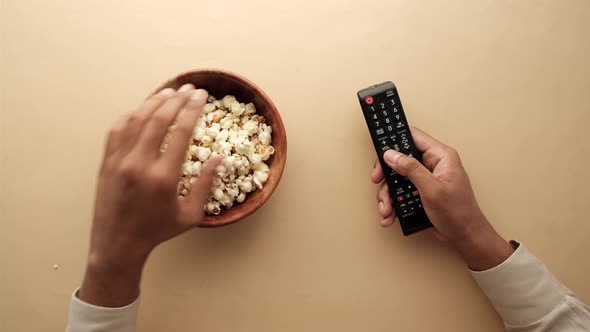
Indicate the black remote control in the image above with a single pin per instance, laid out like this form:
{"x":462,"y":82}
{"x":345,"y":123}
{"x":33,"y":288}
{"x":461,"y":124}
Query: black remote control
{"x":390,"y":130}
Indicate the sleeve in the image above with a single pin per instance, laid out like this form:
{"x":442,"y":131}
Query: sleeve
{"x":529,"y":298}
{"x":85,"y":317}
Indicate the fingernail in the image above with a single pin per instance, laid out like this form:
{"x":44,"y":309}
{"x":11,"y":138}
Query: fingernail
{"x":186,"y":88}
{"x":199,"y":95}
{"x":166,"y":92}
{"x":392,"y":156}
{"x":381,"y":206}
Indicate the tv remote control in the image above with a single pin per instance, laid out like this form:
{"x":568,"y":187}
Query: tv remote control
{"x":390,"y":130}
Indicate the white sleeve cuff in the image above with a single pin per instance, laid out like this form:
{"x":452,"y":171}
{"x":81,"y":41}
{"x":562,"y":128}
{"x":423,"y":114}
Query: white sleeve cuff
{"x":521,"y":288}
{"x":85,"y":317}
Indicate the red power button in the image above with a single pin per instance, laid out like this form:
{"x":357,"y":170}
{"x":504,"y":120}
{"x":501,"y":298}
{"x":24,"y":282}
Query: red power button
{"x":369,"y":100}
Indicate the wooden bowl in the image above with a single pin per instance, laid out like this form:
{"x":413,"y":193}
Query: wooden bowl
{"x":220,"y":83}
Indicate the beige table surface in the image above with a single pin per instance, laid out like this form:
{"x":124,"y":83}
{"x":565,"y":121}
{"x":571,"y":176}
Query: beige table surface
{"x":504,"y":82}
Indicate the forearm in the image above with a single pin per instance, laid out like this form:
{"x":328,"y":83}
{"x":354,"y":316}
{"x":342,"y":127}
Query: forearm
{"x":109,"y":297}
{"x":109,"y":284}
{"x":483,"y":248}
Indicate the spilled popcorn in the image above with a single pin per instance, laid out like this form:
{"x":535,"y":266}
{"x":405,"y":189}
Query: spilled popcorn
{"x":233,"y":130}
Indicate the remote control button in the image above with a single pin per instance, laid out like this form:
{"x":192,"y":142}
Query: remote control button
{"x":389,"y":93}
{"x":385,"y":148}
{"x":377,"y":124}
{"x":374,"y":116}
{"x":408,"y":195}
{"x":396,"y":179}
{"x":382,"y":105}
{"x":415,"y":193}
{"x":385,"y":113}
{"x":390,"y":129}
{"x":392,"y":102}
{"x":393,"y":138}
{"x":395,"y":110}
{"x":396,"y":147}
{"x":380,"y":131}
{"x":372,"y":108}
{"x":400,"y":125}
{"x":369,"y":100}
{"x":397,"y":117}
{"x":405,"y":141}
{"x":400,"y":198}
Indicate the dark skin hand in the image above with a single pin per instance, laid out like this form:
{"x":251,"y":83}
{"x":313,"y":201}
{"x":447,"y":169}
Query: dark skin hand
{"x":137,"y":206}
{"x":448,"y":199}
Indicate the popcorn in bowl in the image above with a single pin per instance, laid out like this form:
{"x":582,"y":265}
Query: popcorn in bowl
{"x":233,"y":130}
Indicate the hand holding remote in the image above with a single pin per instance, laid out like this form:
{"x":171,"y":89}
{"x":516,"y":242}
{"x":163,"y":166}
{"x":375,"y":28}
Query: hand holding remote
{"x":448,"y":200}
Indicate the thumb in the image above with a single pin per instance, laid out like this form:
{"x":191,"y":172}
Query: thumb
{"x":410,"y":167}
{"x":200,"y":191}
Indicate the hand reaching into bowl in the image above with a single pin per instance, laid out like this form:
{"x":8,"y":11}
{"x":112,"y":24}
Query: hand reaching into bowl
{"x":137,"y":206}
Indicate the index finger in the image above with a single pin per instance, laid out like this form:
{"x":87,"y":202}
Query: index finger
{"x":424,"y":141}
{"x":432,"y":149}
{"x":156,"y":128}
{"x":178,"y":143}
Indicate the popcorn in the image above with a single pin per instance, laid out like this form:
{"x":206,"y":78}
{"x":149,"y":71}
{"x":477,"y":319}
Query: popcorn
{"x":237,"y":109}
{"x":244,"y":148}
{"x":218,"y":194}
{"x":251,"y":127}
{"x":206,"y":141}
{"x":227,"y":122}
{"x":261,"y":175}
{"x":255,"y":159}
{"x":265,"y":135}
{"x":187,"y":167}
{"x":202,"y":153}
{"x":213,"y":207}
{"x":228,"y":101}
{"x":208,"y":108}
{"x":196,"y":168}
{"x":231,"y":129}
{"x":245,"y":183}
{"x":222,"y":136}
{"x":213,"y":130}
{"x":250,"y":109}
{"x":226,"y":200}
{"x":232,"y":190}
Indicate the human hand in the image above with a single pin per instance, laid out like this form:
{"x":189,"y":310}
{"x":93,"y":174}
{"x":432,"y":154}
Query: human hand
{"x":137,"y":206}
{"x":448,"y":200}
